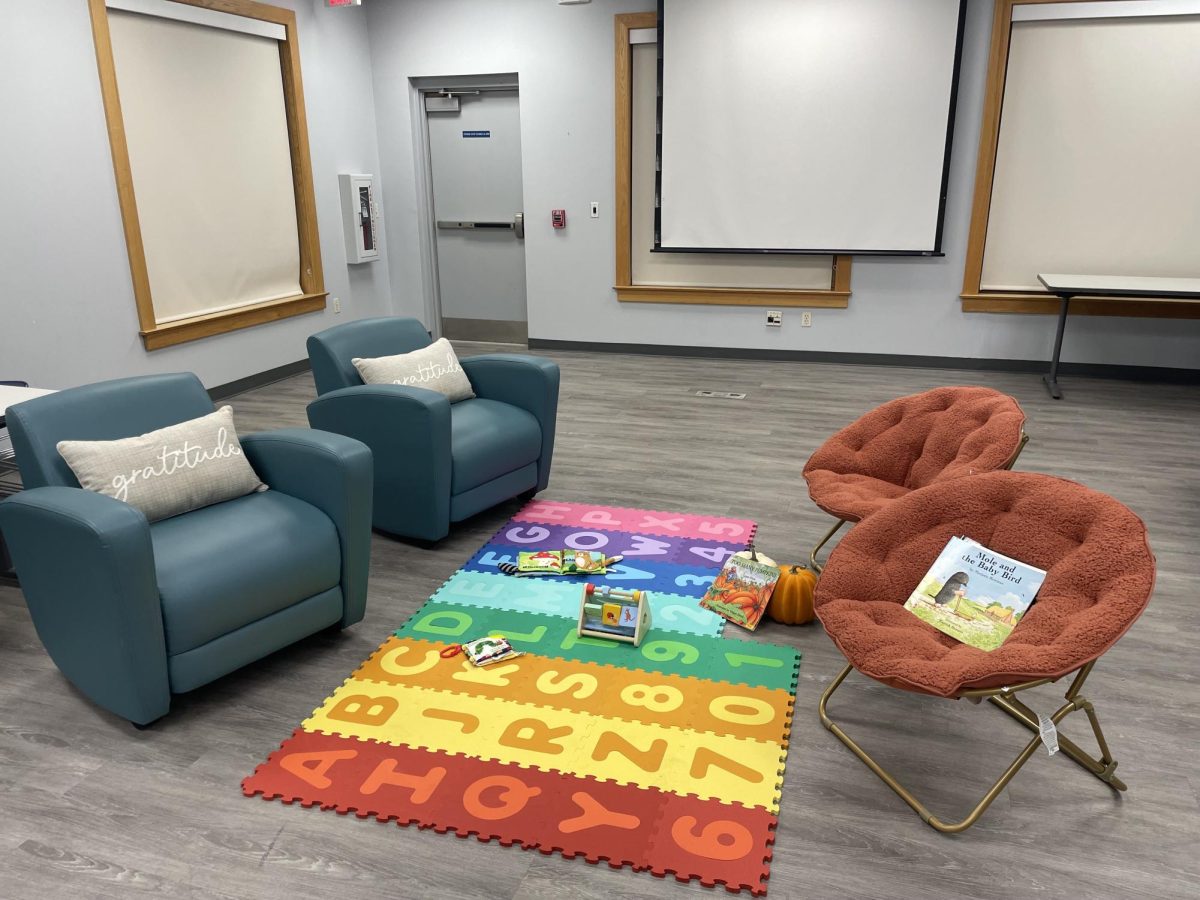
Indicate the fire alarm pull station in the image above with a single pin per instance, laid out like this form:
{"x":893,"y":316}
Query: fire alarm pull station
{"x":360,"y":217}
{"x":558,"y":218}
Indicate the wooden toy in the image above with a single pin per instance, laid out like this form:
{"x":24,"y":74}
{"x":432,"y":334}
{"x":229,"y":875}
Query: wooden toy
{"x":606,"y":612}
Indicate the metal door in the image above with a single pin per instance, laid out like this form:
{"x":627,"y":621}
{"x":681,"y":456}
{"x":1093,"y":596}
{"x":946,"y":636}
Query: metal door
{"x":475,"y":163}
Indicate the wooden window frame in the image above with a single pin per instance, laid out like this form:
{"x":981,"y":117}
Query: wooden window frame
{"x":312,"y":294}
{"x":838,"y":294}
{"x":974,"y":297}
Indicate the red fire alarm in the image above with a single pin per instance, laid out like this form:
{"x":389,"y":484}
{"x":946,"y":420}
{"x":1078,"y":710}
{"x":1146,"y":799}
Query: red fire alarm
{"x":558,"y":218}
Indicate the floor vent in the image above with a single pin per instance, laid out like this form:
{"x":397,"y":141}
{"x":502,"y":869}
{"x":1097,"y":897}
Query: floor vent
{"x":722,"y":395}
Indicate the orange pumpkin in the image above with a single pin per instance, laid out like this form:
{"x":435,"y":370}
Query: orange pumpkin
{"x":792,"y":600}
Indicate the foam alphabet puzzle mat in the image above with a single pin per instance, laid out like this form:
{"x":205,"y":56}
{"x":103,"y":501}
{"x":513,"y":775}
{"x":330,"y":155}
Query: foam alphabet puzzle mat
{"x":666,"y":758}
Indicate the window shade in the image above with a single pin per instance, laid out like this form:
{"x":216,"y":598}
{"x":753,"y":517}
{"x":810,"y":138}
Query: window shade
{"x":717,"y":270}
{"x":806,"y":125}
{"x":205,"y":122}
{"x":1096,"y":161}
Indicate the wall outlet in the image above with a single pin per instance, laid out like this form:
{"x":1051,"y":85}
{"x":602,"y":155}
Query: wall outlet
{"x":337,"y":306}
{"x":775,"y":318}
{"x":595,"y":210}
{"x":806,"y":319}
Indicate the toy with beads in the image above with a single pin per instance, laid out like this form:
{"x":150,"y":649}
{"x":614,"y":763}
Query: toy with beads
{"x":606,"y":612}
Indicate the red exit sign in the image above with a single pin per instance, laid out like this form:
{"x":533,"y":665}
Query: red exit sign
{"x":343,"y":2}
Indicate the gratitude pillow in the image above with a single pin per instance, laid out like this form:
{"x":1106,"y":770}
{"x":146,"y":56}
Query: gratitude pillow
{"x":434,"y":367}
{"x":170,"y":471}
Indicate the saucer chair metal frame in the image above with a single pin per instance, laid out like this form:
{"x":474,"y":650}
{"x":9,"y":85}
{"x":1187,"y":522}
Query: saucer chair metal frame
{"x":1103,"y":768}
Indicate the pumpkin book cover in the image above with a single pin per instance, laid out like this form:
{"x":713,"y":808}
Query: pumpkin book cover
{"x":975,"y":594}
{"x":741,"y":591}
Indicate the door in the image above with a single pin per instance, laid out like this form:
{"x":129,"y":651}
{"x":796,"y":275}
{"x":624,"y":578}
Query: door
{"x":475,"y":163}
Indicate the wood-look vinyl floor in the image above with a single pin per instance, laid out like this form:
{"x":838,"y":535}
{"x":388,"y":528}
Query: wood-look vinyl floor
{"x":93,"y":808}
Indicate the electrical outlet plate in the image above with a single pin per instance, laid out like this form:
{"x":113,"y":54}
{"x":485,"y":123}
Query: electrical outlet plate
{"x":775,"y":318}
{"x":806,"y":319}
{"x":595,"y":209}
{"x":337,"y":305}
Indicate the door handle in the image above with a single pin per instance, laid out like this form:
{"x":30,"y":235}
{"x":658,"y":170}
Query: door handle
{"x":517,"y":225}
{"x":454,"y":224}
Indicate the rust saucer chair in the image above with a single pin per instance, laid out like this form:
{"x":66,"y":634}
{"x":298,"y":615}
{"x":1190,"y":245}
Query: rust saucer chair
{"x":1100,"y":574}
{"x":909,"y":443}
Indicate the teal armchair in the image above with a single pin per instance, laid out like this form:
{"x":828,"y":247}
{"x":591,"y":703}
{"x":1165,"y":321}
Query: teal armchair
{"x":133,"y":612}
{"x":436,"y":462}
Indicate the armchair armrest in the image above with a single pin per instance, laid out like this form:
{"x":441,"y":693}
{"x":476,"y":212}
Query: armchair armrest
{"x":408,"y":431}
{"x":528,"y":382}
{"x":334,"y":474}
{"x":86,"y":566}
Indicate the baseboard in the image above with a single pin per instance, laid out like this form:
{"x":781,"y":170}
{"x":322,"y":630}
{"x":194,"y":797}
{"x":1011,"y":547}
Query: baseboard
{"x":1037,"y":366}
{"x":491,"y":330}
{"x":260,"y":379}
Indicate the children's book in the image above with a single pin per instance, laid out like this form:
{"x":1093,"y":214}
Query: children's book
{"x":741,"y":591}
{"x":559,"y":562}
{"x":975,"y":594}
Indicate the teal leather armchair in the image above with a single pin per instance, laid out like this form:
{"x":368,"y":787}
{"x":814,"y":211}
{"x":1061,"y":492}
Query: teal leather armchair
{"x":436,"y":462}
{"x":133,"y":612}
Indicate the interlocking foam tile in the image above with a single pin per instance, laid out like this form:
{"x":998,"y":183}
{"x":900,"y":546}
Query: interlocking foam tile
{"x":697,"y":655}
{"x":600,"y":820}
{"x":719,"y":766}
{"x":729,"y":845}
{"x":561,"y":597}
{"x":638,"y":521}
{"x":667,"y":757}
{"x":636,"y":548}
{"x":717,"y":707}
{"x":640,"y":575}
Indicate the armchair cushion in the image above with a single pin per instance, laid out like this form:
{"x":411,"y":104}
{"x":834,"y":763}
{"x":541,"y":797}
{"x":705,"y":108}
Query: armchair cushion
{"x":489,"y":439}
{"x":229,"y":565}
{"x":435,"y":368}
{"x":168,"y":471}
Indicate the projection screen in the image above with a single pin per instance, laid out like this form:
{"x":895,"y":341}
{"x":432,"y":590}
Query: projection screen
{"x":806,"y":126}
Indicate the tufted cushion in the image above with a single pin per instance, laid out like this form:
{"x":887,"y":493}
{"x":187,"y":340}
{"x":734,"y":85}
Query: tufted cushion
{"x":1099,"y":575}
{"x":911,"y":442}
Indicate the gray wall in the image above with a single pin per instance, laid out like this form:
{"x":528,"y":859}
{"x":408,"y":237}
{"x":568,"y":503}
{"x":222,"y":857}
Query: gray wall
{"x":563,"y":56}
{"x":67,"y":314}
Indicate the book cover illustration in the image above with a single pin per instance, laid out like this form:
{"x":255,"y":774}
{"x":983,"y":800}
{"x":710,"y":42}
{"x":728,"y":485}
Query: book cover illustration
{"x":974,"y":594}
{"x":560,"y":562}
{"x":741,"y":591}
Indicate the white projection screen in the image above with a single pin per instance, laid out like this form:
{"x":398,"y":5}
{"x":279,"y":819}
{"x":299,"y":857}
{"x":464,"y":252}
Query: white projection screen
{"x":818,"y":126}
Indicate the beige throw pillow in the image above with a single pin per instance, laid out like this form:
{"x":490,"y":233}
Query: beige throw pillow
{"x":434,"y":367}
{"x":170,"y":471}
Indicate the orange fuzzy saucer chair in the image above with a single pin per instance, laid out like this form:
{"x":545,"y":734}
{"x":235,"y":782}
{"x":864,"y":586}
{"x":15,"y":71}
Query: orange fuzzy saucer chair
{"x":909,"y":443}
{"x":1099,"y":576}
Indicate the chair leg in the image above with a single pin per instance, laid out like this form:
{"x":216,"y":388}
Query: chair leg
{"x":1102,"y":768}
{"x":812,"y":557}
{"x":1021,"y":446}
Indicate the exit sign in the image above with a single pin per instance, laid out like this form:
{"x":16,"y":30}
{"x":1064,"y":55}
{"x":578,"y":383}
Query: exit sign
{"x":343,"y":2}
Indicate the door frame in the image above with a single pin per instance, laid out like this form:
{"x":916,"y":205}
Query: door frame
{"x":418,"y":87}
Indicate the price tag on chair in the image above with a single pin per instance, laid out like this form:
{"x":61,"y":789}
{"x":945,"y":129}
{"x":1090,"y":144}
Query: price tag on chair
{"x":1048,"y":733}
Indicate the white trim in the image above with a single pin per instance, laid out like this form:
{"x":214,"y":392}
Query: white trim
{"x":643,"y":35}
{"x":1104,"y":9}
{"x":197,"y":15}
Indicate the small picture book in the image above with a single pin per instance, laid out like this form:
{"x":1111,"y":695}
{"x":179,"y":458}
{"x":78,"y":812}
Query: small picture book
{"x":560,"y":562}
{"x":974,"y":594}
{"x":741,"y":591}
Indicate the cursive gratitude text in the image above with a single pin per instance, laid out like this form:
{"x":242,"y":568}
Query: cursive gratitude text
{"x":431,"y":371}
{"x":171,"y":461}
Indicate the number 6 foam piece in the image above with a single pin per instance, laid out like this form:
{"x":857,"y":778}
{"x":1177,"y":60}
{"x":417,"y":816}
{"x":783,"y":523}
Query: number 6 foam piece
{"x":666,"y":757}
